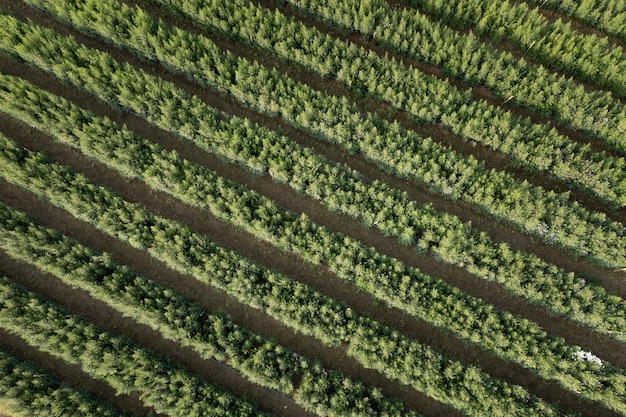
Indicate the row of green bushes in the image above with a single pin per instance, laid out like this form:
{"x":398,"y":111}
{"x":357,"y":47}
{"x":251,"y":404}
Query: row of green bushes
{"x":296,"y":305}
{"x":556,"y":44}
{"x":116,"y":360}
{"x":413,"y":34}
{"x":292,"y":303}
{"x":165,"y":105}
{"x":609,"y":16}
{"x":546,"y":215}
{"x":211,"y":334}
{"x":535,"y":147}
{"x":27,"y":390}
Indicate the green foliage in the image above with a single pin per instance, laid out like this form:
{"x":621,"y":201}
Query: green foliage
{"x":429,"y":371}
{"x":395,"y":149}
{"x":30,"y":391}
{"x":342,"y":189}
{"x":189,"y":253}
{"x":538,"y":148}
{"x":211,"y":334}
{"x":557,"y":44}
{"x":331,"y":394}
{"x":159,"y":382}
{"x":288,"y":301}
{"x":608,"y":16}
{"x":411,"y":33}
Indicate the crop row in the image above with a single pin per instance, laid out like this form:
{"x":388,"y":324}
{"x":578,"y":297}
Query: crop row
{"x":292,"y":303}
{"x":212,"y":335}
{"x":547,"y":93}
{"x":165,"y":105}
{"x":587,"y":56}
{"x":608,"y":16}
{"x":535,"y":147}
{"x":386,"y":278}
{"x":452,"y":241}
{"x":159,"y":382}
{"x":544,"y":214}
{"x":28,"y":391}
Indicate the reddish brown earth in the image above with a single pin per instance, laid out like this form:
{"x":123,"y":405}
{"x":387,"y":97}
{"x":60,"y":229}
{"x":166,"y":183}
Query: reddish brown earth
{"x":491,"y":158}
{"x":552,"y":15}
{"x":507,"y":46}
{"x":80,"y":303}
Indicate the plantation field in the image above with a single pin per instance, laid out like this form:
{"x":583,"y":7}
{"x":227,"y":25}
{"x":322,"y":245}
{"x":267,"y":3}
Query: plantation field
{"x":312,"y":208}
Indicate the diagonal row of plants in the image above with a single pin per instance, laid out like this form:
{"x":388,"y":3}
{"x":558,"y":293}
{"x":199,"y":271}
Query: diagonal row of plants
{"x":159,"y":382}
{"x":426,"y":98}
{"x":415,"y":35}
{"x":544,"y":214}
{"x":27,"y":390}
{"x":294,"y":304}
{"x":608,"y":16}
{"x":556,"y":44}
{"x":212,"y":335}
{"x":39,"y":113}
{"x":170,"y":108}
{"x":406,"y":288}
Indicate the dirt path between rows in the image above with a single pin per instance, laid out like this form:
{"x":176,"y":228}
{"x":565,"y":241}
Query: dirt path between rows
{"x":479,"y":92}
{"x":550,"y":15}
{"x":491,"y":158}
{"x":69,"y":374}
{"x":270,"y":257}
{"x":417,"y":192}
{"x":286,"y":197}
{"x":506,"y":45}
{"x":553,"y":15}
{"x":210,"y":298}
{"x":329,"y":86}
{"x":309,"y":207}
{"x":78,"y":302}
{"x":274,"y":190}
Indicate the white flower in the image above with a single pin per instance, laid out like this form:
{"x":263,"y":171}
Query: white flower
{"x":582,"y":355}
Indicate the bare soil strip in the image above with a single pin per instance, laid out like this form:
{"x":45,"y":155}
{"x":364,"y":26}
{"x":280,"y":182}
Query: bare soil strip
{"x":552,"y":15}
{"x":292,"y":201}
{"x":499,"y":231}
{"x":288,"y":198}
{"x":351,"y":227}
{"x":243,"y":315}
{"x":332,"y":87}
{"x":272,"y":258}
{"x":66,"y":373}
{"x":508,"y":46}
{"x":466,"y":212}
{"x":79,"y":302}
{"x":479,"y":92}
{"x":611,"y":281}
{"x":491,"y":158}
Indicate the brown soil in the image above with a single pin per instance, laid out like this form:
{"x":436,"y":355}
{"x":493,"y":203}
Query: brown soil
{"x":552,"y":15}
{"x":265,"y":254}
{"x":478,"y":92}
{"x":211,"y":299}
{"x":517,"y":53}
{"x":68,"y":374}
{"x":78,"y":302}
{"x":286,"y":197}
{"x":272,"y":258}
{"x":491,"y":158}
{"x":417,"y":191}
